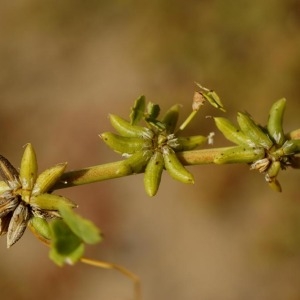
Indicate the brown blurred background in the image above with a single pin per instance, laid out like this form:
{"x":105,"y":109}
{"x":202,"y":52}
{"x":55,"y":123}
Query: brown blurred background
{"x":64,"y":65}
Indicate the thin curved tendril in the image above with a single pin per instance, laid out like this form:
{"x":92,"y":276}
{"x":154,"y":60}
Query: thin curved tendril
{"x":124,"y":271}
{"x":104,"y":265}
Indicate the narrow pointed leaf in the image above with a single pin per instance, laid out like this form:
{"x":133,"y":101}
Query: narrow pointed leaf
{"x":137,"y":111}
{"x":212,"y":97}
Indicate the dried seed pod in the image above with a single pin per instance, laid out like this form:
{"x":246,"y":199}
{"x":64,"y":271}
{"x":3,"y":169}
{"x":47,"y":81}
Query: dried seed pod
{"x":239,"y":154}
{"x":4,"y":187}
{"x":8,"y":173}
{"x":137,"y":161}
{"x":198,"y":101}
{"x":28,"y":169}
{"x":170,"y":118}
{"x":4,"y":223}
{"x":232,"y":132}
{"x":48,"y":178}
{"x":153,"y":173}
{"x":190,"y":142}
{"x":122,"y":144}
{"x":212,"y":97}
{"x":261,"y":165}
{"x":175,"y":167}
{"x":124,"y":128}
{"x":253,"y":131}
{"x":274,"y":125}
{"x":8,"y":204}
{"x":17,"y":224}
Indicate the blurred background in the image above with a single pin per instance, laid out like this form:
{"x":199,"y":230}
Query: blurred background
{"x":65,"y":65}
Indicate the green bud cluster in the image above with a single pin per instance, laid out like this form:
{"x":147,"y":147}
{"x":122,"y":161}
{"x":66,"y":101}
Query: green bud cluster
{"x":151,"y":148}
{"x":267,"y":148}
{"x":24,"y":197}
{"x":26,"y":200}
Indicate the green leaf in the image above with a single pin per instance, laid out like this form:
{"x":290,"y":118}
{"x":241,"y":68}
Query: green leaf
{"x":153,"y":111}
{"x":66,"y":247}
{"x":170,"y":118}
{"x":83,"y":228}
{"x":137,"y":111}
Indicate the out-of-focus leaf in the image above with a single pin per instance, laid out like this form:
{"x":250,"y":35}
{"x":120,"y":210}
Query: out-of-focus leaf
{"x":83,"y":228}
{"x":66,"y":246}
{"x":153,"y":111}
{"x":170,"y":118}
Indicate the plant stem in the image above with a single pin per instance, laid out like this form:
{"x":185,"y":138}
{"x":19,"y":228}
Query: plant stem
{"x":200,"y":157}
{"x":93,"y":174}
{"x":119,"y":169}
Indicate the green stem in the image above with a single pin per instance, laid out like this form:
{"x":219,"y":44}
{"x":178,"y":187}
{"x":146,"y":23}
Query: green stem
{"x":118,"y":169}
{"x":200,"y":157}
{"x":93,"y":174}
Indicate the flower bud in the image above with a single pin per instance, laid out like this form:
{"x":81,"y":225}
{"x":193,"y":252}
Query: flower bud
{"x":40,"y":228}
{"x":48,"y":178}
{"x":232,"y":133}
{"x":274,"y":125}
{"x":28,"y":169}
{"x":253,"y":131}
{"x":50,"y":202}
